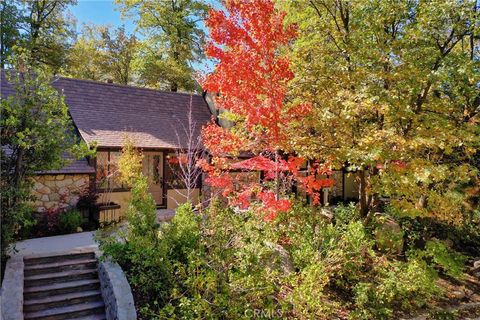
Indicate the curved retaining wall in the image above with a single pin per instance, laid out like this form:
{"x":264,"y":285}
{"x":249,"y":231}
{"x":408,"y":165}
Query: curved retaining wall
{"x":11,"y":295}
{"x":116,"y":291}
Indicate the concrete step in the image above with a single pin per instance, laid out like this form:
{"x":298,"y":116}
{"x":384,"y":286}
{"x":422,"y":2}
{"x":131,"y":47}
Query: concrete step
{"x":60,"y":266}
{"x":68,"y":312}
{"x":60,"y":288}
{"x":65,"y":276}
{"x":35,"y":260}
{"x":100,"y":316}
{"x":61,"y":300}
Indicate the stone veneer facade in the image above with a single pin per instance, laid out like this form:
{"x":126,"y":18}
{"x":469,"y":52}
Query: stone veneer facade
{"x":59,"y":190}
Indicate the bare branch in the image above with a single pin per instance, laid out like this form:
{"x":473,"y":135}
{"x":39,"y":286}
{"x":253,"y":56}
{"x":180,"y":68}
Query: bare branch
{"x":189,"y":150}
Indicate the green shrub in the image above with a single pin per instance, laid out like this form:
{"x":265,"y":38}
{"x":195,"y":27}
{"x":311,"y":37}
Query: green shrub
{"x":463,"y":238}
{"x":223,"y":264}
{"x":345,"y":248}
{"x":394,"y":286}
{"x":69,"y":221}
{"x":438,"y":254}
{"x":183,"y":233}
{"x":308,"y":298}
{"x":142,"y":210}
{"x":344,"y":214}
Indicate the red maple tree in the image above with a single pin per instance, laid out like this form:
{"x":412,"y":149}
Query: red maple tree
{"x":251,"y":78}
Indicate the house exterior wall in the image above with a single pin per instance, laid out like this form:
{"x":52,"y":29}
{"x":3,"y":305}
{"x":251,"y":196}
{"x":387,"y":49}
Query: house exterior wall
{"x":351,"y":186}
{"x":120,"y":198}
{"x":172,"y":197}
{"x":58,"y":190}
{"x":175,"y":197}
{"x":336,"y":191}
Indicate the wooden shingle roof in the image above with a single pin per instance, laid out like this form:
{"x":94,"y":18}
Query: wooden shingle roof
{"x":104,"y":113}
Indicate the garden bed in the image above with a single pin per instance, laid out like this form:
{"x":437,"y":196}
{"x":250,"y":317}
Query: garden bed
{"x":108,"y":213}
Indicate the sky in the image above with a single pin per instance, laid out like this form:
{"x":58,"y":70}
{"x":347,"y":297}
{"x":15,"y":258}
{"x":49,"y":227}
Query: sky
{"x":99,"y":12}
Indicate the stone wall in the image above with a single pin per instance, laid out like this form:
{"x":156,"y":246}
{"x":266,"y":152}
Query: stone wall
{"x":116,"y":291}
{"x":60,"y":190}
{"x":11,"y":295}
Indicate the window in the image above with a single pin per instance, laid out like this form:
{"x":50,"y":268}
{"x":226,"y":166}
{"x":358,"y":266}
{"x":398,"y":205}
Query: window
{"x":107,"y":174}
{"x":174,"y":176}
{"x":153,"y":168}
{"x":102,"y":170}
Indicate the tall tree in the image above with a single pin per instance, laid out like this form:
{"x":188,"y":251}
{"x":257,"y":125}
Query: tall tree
{"x":45,"y":31}
{"x":251,"y":78}
{"x":395,"y":91}
{"x":84,"y":58}
{"x":173,"y":40}
{"x":10,"y":20}
{"x":120,"y":52}
{"x":102,"y":54}
{"x":36,"y":132}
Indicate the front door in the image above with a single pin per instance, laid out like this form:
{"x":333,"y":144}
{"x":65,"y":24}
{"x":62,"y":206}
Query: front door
{"x":153,"y":170}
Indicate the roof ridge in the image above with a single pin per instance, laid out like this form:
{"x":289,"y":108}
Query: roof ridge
{"x":125,"y":86}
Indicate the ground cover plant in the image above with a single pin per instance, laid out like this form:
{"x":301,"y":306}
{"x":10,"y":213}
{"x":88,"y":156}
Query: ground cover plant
{"x":224,"y":264}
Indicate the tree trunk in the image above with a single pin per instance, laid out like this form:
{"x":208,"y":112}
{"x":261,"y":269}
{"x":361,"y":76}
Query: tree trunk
{"x":174,"y":86}
{"x":18,"y":170}
{"x":277,"y":178}
{"x":363,"y":194}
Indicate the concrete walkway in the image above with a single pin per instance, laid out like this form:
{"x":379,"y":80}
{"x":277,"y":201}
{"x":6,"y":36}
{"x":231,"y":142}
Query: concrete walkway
{"x":164,"y":215}
{"x":63,"y":243}
{"x":69,"y":242}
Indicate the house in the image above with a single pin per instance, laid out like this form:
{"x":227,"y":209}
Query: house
{"x":103,"y":115}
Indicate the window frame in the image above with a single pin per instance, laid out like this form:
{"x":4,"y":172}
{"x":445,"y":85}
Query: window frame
{"x":170,"y":175}
{"x":123,"y":188}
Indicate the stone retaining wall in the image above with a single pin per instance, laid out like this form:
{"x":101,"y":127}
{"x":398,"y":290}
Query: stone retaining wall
{"x":11,"y":295}
{"x":116,"y":292}
{"x":60,"y":190}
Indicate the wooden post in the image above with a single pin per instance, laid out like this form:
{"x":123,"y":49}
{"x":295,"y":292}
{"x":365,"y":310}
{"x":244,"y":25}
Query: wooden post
{"x":325,"y":197}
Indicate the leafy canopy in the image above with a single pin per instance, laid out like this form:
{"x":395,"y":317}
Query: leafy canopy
{"x":395,"y":93}
{"x":251,"y":78}
{"x":41,"y":27}
{"x":102,"y":54}
{"x":173,"y":41}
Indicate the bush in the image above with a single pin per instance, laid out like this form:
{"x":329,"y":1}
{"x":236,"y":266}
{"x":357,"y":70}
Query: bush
{"x":394,"y":286}
{"x":309,"y":295}
{"x":16,"y":219}
{"x":227,"y":265}
{"x":87,"y":202}
{"x":437,"y":253}
{"x":463,"y":238}
{"x":46,"y":223}
{"x":336,"y":261}
{"x":142,"y":210}
{"x":69,"y":221}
